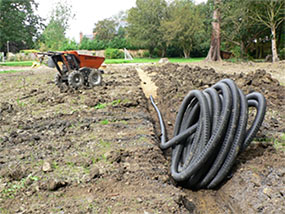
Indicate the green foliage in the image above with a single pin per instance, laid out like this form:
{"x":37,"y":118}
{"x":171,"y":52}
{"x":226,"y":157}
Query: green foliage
{"x":28,"y":51}
{"x":118,"y":43}
{"x":116,"y":102}
{"x":69,"y":45}
{"x":236,"y":50}
{"x":146,"y":54}
{"x":12,"y":188}
{"x":237,"y":29}
{"x":88,"y":44}
{"x":144,"y":22}
{"x":282,"y":54}
{"x":18,"y":24}
{"x":104,"y":122}
{"x":183,"y":24}
{"x":109,"y":33}
{"x":152,"y":60}
{"x":10,"y":71}
{"x":270,"y":15}
{"x":53,"y":37}
{"x":170,"y":29}
{"x":279,"y":144}
{"x":248,"y":25}
{"x":15,"y":64}
{"x":101,"y":106}
{"x":113,"y":54}
{"x":105,"y":29}
{"x":20,"y":103}
{"x":104,"y":144}
{"x":96,"y":44}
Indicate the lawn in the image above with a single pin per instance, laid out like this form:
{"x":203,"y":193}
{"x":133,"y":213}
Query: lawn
{"x":17,"y":64}
{"x":152,"y":60}
{"x":107,"y":61}
{"x":11,"y":71}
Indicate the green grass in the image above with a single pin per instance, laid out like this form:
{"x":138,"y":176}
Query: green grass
{"x":183,"y":60}
{"x":152,"y":60}
{"x":11,"y":71}
{"x":116,"y":102}
{"x":104,"y":122}
{"x":20,"y":64}
{"x":112,"y":61}
{"x":101,"y":106}
{"x":13,"y":187}
{"x":104,"y":105}
{"x":137,"y":60}
{"x":279,"y":144}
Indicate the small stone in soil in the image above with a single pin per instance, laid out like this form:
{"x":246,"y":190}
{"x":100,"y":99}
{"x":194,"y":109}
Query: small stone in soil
{"x":54,"y":184}
{"x":47,"y":167}
{"x":94,"y":173}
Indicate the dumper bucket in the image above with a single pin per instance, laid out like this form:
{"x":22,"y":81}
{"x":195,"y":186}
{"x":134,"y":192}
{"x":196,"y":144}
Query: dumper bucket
{"x":88,"y":61}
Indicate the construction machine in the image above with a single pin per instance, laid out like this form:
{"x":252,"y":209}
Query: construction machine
{"x":75,"y":70}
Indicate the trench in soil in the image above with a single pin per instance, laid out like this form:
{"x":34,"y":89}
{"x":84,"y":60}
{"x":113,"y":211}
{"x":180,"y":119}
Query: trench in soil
{"x":205,"y":201}
{"x":256,"y":181}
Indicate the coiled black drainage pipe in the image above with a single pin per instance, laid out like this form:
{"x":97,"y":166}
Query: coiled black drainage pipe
{"x":210,"y":131}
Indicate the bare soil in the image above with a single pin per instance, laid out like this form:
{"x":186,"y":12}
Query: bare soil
{"x":96,"y":150}
{"x":256,"y":184}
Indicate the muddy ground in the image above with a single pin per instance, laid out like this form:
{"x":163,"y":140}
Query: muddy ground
{"x":96,"y":150}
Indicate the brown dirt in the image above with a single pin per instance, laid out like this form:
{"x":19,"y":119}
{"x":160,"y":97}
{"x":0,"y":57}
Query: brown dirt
{"x":149,"y":87}
{"x":96,"y":150}
{"x":257,"y":180}
{"x":89,"y":151}
{"x":277,"y":70}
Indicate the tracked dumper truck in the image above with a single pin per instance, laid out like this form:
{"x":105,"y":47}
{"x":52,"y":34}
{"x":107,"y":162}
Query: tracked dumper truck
{"x":75,"y":70}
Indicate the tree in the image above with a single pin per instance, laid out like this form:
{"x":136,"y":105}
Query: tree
{"x":121,"y":22}
{"x":18,"y":24}
{"x":144,"y":22}
{"x":214,"y":52}
{"x":237,"y":30}
{"x":105,"y":29}
{"x":182,"y":26}
{"x":235,"y":26}
{"x":271,"y":14}
{"x":54,"y":34}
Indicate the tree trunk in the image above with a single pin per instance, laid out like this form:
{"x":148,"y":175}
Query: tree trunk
{"x":186,"y":53}
{"x":214,"y":52}
{"x":242,"y":49}
{"x":274,"y":48}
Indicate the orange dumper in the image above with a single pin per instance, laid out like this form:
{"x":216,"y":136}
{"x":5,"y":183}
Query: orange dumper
{"x":75,"y":70}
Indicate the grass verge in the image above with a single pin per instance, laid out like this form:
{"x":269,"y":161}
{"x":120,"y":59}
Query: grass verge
{"x":114,"y":61}
{"x":152,"y":60}
{"x":11,"y":71}
{"x":20,"y":64}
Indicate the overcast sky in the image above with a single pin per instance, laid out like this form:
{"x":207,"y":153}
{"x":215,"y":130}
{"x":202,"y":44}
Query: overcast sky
{"x":88,"y":12}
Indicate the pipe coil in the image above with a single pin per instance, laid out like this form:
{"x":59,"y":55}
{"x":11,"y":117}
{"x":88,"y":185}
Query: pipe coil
{"x":210,"y":131}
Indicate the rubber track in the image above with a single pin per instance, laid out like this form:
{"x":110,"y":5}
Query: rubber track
{"x":209,"y":133}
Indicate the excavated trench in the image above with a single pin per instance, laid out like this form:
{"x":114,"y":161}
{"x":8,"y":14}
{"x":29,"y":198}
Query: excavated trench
{"x":201,"y":201}
{"x":240,"y":192}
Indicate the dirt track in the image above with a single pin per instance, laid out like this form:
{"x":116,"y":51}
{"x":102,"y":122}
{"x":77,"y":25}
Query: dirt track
{"x":96,"y":151}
